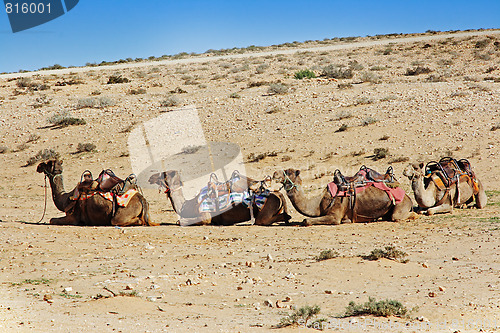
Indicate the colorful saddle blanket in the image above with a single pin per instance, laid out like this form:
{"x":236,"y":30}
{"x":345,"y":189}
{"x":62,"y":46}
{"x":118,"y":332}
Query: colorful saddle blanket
{"x":396,"y":194}
{"x":122,"y":200}
{"x":449,"y":171}
{"x":226,"y":201}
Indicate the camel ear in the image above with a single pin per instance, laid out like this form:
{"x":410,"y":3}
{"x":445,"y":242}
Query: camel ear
{"x":421,"y":165}
{"x":297,"y":173}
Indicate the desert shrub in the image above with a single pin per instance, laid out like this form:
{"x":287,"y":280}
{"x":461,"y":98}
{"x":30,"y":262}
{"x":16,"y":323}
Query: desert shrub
{"x":370,"y":77}
{"x":274,"y":109}
{"x":417,"y":71}
{"x":380,"y":153}
{"x":261,"y":69}
{"x":327,"y":254}
{"x":68,"y":82}
{"x":178,"y":90}
{"x":306,"y":73}
{"x":286,"y":158}
{"x":390,"y":252}
{"x":436,"y":78}
{"x":300,"y":316}
{"x":342,"y":128}
{"x":336,"y":72}
{"x":355,"y":65}
{"x":277,"y":89}
{"x":42,"y":155}
{"x":85,"y":147}
{"x":129,"y":127}
{"x":191,"y":81}
{"x":24,"y":82}
{"x":138,"y":91}
{"x":92,"y":102}
{"x":41,"y":101}
{"x":368,"y":121}
{"x":33,"y":138}
{"x":64,"y":119}
{"x":399,"y":159}
{"x":257,"y":84}
{"x":495,"y":127}
{"x":234,"y":95}
{"x":481,"y":44}
{"x":170,"y":101}
{"x":378,"y":68}
{"x":113,"y":79}
{"x":344,"y":114}
{"x":4,"y":149}
{"x":385,"y":137}
{"x":242,"y":68}
{"x":191,"y":149}
{"x":95,"y":93}
{"x":21,"y":147}
{"x":384,"y":308}
{"x":345,"y":85}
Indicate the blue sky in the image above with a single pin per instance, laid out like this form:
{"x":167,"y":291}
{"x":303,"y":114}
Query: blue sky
{"x":109,"y":30}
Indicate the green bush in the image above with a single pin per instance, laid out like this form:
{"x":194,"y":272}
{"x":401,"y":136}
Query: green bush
{"x":306,"y":73}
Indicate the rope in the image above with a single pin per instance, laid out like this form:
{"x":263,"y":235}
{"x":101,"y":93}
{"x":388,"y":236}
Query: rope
{"x":45,"y":204}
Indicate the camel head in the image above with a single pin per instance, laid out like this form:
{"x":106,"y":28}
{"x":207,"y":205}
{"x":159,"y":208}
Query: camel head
{"x":50,"y":167}
{"x":168,"y":179}
{"x":289,"y":178}
{"x":414,"y":170}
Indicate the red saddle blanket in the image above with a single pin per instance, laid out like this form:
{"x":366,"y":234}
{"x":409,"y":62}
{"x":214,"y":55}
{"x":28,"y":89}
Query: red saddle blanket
{"x":397,"y":194}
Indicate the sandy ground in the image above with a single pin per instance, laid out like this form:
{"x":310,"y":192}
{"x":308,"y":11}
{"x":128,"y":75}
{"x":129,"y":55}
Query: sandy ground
{"x":206,"y":279}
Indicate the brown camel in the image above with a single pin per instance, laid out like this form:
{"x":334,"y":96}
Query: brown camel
{"x":95,"y":210}
{"x":434,"y":199}
{"x":274,"y":209}
{"x":370,"y":205}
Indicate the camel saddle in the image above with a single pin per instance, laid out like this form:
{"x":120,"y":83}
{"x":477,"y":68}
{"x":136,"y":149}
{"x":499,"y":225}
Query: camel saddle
{"x":106,"y":182}
{"x":363,"y":176}
{"x":449,"y":171}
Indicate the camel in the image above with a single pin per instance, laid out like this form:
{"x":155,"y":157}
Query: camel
{"x":95,"y":210}
{"x":370,"y":205}
{"x":274,"y":209}
{"x":433,"y":199}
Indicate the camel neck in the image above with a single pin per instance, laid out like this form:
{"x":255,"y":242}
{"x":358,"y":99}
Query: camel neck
{"x":177,"y":200}
{"x":310,"y":207}
{"x":60,"y":198}
{"x":425,"y":197}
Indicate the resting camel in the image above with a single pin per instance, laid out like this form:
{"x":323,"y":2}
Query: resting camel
{"x":371,"y":204}
{"x":440,"y":200}
{"x":274,"y":209}
{"x":95,"y":210}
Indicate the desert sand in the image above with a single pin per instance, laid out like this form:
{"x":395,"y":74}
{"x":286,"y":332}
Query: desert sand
{"x":247,"y":278}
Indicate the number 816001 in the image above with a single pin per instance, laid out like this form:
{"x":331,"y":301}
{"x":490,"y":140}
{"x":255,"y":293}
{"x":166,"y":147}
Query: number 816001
{"x":27,"y":8}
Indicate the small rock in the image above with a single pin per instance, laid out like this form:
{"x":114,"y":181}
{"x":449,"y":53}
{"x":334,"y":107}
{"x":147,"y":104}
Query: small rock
{"x":280,"y":304}
{"x":454,"y":258}
{"x":149,"y":247}
{"x":422,"y":318}
{"x":290,"y":276}
{"x":425,"y":265}
{"x":205,"y":237}
{"x":68,"y":290}
{"x":441,"y":288}
{"x":239,"y":288}
{"x":269,"y":257}
{"x":250,"y":264}
{"x":129,"y":287}
{"x":329,"y":292}
{"x":432,"y":294}
{"x":268,"y":303}
{"x":353,"y":321}
{"x":287,"y":299}
{"x":154,"y":286}
{"x":48,"y":298}
{"x":151,"y":298}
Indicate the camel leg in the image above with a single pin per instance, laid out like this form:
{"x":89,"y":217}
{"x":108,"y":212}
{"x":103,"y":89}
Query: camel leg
{"x":327,"y":219}
{"x":66,"y":220}
{"x":481,"y":198}
{"x":135,"y":221}
{"x":444,"y":208}
{"x":403,"y":210}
